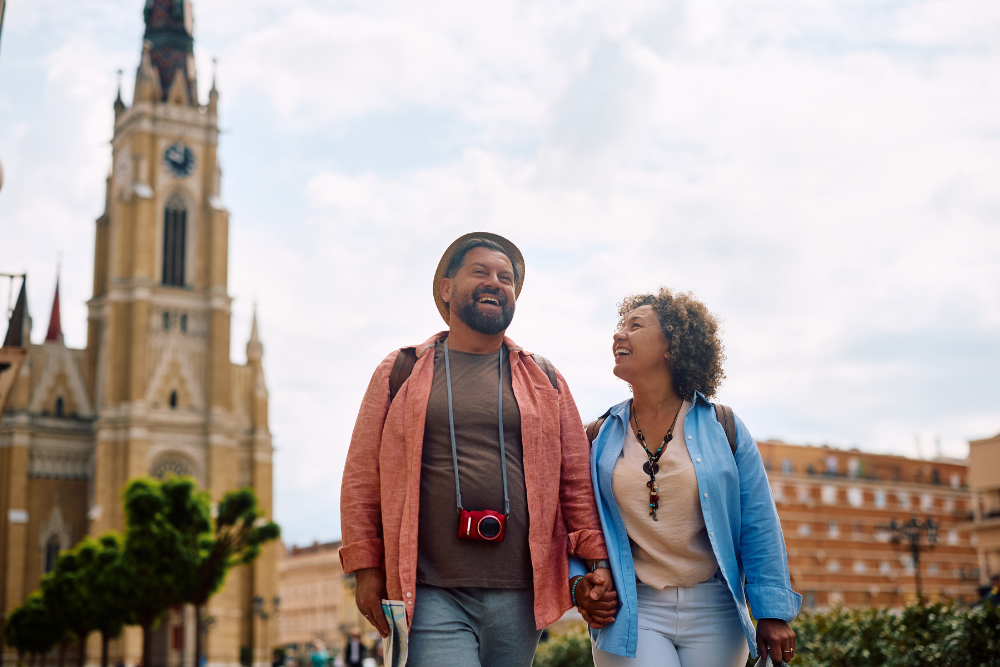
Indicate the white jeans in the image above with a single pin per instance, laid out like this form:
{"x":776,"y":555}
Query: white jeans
{"x":685,"y":626}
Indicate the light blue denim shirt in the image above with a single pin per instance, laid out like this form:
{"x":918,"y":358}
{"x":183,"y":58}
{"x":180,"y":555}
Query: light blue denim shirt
{"x":740,"y":516}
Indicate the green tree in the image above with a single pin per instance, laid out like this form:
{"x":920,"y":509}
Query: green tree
{"x":236,"y":540}
{"x":165,"y":525}
{"x":104,"y":574}
{"x":31,"y":628}
{"x":67,"y":596}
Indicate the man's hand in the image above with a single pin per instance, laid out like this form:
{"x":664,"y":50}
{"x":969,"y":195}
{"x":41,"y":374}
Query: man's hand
{"x":596,"y":598}
{"x":775,"y":637}
{"x":369,"y":590}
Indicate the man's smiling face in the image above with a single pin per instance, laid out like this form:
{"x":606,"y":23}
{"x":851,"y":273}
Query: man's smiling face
{"x":481,"y":293}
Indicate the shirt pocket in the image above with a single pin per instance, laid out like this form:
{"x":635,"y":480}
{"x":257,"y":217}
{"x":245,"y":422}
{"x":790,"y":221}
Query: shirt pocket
{"x":548,"y":409}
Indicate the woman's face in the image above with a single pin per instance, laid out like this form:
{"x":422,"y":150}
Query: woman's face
{"x":639,"y":346}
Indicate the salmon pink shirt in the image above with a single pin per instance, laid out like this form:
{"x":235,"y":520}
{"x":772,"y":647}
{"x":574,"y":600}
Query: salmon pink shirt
{"x":380,"y":495}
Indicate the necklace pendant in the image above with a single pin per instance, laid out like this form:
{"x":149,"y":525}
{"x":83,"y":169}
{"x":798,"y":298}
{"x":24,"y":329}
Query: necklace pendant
{"x":650,"y":467}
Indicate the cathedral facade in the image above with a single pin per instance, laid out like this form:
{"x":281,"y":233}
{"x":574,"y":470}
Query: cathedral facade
{"x":154,"y":392}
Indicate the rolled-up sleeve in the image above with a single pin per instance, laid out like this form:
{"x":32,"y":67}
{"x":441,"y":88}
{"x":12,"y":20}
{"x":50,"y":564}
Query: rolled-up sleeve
{"x":762,"y":544}
{"x":576,"y":491}
{"x":360,"y":493}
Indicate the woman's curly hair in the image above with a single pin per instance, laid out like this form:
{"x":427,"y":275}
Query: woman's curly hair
{"x":696,"y":351}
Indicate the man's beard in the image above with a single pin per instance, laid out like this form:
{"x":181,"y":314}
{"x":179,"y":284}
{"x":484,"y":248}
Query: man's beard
{"x":488,"y":324}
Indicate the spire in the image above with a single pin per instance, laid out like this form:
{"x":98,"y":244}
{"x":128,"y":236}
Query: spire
{"x":18,"y":327}
{"x":119,"y":105}
{"x":54,"y":334}
{"x":213,"y":94}
{"x":255,"y":350}
{"x":170,"y":34}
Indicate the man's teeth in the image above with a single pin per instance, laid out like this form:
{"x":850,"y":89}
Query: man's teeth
{"x":489,"y":299}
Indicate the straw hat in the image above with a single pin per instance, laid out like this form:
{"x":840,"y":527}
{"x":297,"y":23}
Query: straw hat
{"x":458,"y":243}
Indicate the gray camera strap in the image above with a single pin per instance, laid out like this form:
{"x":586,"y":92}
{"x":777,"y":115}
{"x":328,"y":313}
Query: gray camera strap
{"x":451,"y":425}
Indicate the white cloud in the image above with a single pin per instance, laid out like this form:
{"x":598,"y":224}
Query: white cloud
{"x":821,"y":174}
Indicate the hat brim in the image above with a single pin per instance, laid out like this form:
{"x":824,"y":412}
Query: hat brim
{"x":512,"y":252}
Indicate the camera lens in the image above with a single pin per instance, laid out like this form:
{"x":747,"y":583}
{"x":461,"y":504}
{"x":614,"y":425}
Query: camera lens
{"x":489,"y":527}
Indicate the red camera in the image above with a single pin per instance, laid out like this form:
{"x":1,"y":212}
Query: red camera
{"x":485,"y":525}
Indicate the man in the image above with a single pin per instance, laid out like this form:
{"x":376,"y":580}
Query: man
{"x":354,"y":650}
{"x":993,"y":594}
{"x":479,"y":424}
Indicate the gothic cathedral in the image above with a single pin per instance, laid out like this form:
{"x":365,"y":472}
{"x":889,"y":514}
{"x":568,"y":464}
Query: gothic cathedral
{"x":154,"y":392}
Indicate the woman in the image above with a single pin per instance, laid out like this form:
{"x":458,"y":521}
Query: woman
{"x":692,"y":530}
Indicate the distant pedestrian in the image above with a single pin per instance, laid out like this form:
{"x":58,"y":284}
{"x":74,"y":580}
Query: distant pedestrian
{"x":467,"y":485}
{"x":993,"y":595}
{"x":354,"y":650}
{"x":684,"y":498}
{"x":319,"y":656}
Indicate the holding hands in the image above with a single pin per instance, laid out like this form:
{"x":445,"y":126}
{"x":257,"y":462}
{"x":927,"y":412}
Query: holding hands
{"x":596,"y":598}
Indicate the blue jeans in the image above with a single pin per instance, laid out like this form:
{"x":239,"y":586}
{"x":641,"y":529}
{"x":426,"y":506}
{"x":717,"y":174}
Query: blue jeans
{"x":473,"y":627}
{"x":685,"y":626}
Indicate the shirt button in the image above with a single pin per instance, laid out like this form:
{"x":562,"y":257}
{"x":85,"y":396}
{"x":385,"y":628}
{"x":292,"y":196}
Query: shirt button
{"x":697,"y":460}
{"x":409,"y":595}
{"x":690,"y":437}
{"x":711,"y":534}
{"x":409,"y":602}
{"x":706,"y":495}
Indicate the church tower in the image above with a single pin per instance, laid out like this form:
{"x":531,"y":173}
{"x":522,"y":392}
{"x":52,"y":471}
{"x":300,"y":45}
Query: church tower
{"x":155,"y":391}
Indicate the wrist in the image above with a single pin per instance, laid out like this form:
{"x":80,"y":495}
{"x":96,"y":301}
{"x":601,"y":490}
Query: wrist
{"x":573,"y":583}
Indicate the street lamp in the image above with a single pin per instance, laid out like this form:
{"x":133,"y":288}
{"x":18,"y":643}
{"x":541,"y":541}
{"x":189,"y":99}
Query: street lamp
{"x":258,"y":611}
{"x":907,"y":536}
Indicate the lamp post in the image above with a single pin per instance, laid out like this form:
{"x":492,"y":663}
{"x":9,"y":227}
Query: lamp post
{"x":907,"y":536}
{"x":258,"y":611}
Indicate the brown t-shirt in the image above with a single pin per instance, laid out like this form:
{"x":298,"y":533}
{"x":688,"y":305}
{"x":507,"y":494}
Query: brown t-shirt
{"x":442,"y":558}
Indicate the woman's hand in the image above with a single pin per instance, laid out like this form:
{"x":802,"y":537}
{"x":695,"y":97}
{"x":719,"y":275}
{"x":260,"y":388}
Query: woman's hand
{"x":596,"y":599}
{"x":773,"y":636}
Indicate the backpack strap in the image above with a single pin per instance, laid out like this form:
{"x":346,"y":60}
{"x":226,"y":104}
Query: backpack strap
{"x":594,"y":427}
{"x":407,"y":358}
{"x":401,"y":370}
{"x":724,"y":415}
{"x":549,"y":369}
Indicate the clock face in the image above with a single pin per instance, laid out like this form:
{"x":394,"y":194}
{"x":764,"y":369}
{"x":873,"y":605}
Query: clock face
{"x":179,"y":159}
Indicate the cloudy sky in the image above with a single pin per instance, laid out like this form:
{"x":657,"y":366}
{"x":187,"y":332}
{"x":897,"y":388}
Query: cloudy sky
{"x":822,"y":174}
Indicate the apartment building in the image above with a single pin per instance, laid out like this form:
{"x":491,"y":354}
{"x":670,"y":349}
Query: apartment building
{"x":834,"y":506}
{"x":317,"y":598}
{"x":984,"y":480}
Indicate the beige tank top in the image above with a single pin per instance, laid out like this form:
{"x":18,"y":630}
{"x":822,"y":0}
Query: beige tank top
{"x":674,"y":551}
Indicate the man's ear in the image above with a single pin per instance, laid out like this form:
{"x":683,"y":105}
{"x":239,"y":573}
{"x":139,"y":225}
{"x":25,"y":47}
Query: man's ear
{"x":445,"y":288}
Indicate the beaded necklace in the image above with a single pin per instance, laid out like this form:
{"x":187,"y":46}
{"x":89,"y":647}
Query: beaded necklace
{"x":651,"y":467}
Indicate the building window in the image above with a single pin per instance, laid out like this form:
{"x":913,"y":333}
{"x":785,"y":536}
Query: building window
{"x":173,"y":400}
{"x":952,"y":537}
{"x":829,"y":495}
{"x":955,"y":481}
{"x":831,"y":465}
{"x":885,"y":567}
{"x":786,"y":466}
{"x":926,"y":502}
{"x":166,"y":321}
{"x":170,"y":465}
{"x":859,"y":566}
{"x":52,"y":548}
{"x":949,"y":505}
{"x":855,"y":497}
{"x":779,"y":493}
{"x":810,"y":600}
{"x":174,"y":240}
{"x":804,"y":529}
{"x":184,"y":322}
{"x":880,"y":499}
{"x":60,"y":407}
{"x":853,"y":467}
{"x":935,"y":477}
{"x":803,"y":494}
{"x":907,"y":562}
{"x":859,"y":531}
{"x":932,"y":569}
{"x":833,"y":566}
{"x":904,"y":500}
{"x":833,"y":529}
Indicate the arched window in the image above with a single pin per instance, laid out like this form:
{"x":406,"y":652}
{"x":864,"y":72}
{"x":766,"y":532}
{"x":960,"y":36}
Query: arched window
{"x":174,"y":240}
{"x":171,"y":464}
{"x":52,"y":549}
{"x":173,"y":400}
{"x":60,"y":407}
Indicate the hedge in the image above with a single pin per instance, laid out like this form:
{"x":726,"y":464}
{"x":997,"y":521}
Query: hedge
{"x":937,"y":635}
